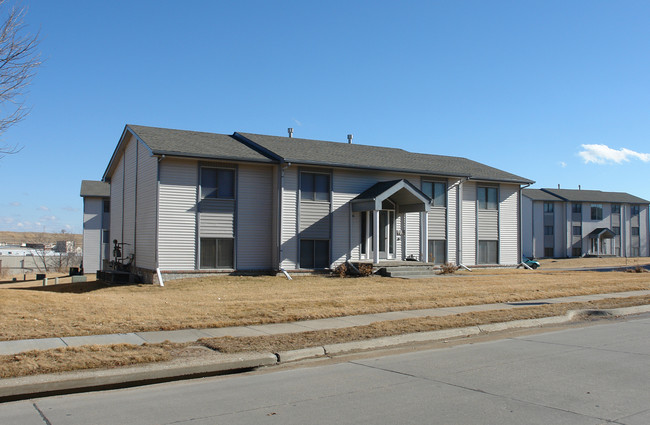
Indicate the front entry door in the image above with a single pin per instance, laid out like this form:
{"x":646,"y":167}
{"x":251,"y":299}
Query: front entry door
{"x":387,"y":234}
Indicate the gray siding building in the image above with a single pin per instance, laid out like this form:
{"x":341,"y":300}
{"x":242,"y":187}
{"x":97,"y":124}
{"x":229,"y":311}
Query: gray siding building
{"x":188,"y":203}
{"x":573,"y":223}
{"x":96,"y":212}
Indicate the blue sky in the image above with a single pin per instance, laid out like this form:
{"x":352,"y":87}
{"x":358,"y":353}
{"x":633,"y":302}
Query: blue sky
{"x":554,"y":91}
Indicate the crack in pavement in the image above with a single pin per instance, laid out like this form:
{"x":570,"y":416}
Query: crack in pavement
{"x":477,"y":390}
{"x":40,"y":412}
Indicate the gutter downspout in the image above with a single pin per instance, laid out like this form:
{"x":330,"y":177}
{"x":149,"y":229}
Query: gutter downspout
{"x":279,"y":235}
{"x":459,"y":223}
{"x":157,"y":261}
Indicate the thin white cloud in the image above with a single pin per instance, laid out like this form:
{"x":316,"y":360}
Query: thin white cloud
{"x":602,"y":154}
{"x":562,"y":164}
{"x":43,"y":208}
{"x":298,"y":123}
{"x":49,"y":218}
{"x":15,"y":204}
{"x":71,"y":209}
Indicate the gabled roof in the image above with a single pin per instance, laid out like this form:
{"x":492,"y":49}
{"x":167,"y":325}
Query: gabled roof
{"x":573,"y":195}
{"x":408,"y":197}
{"x":92,"y":188}
{"x":539,"y":195}
{"x":196,"y":144}
{"x":189,"y":144}
{"x":335,"y":154}
{"x":601,"y":232}
{"x":261,"y":148}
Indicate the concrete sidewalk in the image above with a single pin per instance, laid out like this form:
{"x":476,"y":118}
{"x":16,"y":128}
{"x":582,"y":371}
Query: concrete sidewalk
{"x":214,"y":363}
{"x":191,"y":335}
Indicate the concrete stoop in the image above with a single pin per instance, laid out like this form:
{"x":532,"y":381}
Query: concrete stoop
{"x":409,"y":271}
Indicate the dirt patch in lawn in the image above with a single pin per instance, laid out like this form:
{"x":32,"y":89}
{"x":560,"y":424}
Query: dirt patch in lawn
{"x":92,"y":308}
{"x":111,"y":356}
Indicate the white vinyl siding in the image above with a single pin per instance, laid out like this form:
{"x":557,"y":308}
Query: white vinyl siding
{"x":288,"y":238}
{"x":255,"y":217}
{"x":452,"y":212}
{"x":130,"y":165}
{"x":469,"y":223}
{"x":217,"y":218}
{"x":437,"y":223}
{"x":488,"y":225}
{"x":117,"y":182}
{"x":314,"y":220}
{"x":177,"y":216}
{"x":92,"y":234}
{"x":412,"y":235}
{"x":345,"y":186}
{"x":508,"y":224}
{"x":146,"y":209}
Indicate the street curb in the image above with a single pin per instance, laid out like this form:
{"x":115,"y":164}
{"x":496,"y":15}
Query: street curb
{"x":397,"y":340}
{"x":70,"y":382}
{"x":67,"y":382}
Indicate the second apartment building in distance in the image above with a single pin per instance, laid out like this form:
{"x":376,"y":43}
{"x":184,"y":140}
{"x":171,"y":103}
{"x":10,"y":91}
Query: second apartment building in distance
{"x":573,"y":223}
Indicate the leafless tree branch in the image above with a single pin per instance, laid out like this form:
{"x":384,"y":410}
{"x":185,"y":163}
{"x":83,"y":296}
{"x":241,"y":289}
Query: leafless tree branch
{"x":19,"y":58}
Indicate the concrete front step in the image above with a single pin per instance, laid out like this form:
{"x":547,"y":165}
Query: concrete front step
{"x":407,"y":275}
{"x":409,"y":271}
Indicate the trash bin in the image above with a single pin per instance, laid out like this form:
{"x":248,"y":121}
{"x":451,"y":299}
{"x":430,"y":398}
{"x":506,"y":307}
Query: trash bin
{"x":40,"y":276}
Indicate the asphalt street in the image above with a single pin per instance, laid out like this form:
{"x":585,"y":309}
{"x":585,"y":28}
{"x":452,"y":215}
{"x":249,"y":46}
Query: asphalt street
{"x":588,"y":375}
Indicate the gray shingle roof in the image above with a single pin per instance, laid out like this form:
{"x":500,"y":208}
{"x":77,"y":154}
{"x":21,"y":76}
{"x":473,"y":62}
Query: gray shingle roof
{"x":195,"y":144}
{"x":573,"y":195}
{"x":539,"y":195}
{"x":318,"y":152}
{"x":95,"y":189}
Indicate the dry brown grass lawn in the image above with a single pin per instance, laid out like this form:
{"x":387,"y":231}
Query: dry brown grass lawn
{"x":91,"y":308}
{"x":78,"y":358}
{"x":111,"y":356}
{"x":570,"y":263}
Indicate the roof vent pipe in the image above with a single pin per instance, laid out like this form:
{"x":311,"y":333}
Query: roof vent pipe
{"x":350,"y":138}
{"x":579,"y":188}
{"x":558,"y":185}
{"x":290,"y":130}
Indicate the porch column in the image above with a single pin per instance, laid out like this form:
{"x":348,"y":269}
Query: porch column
{"x":375,"y":236}
{"x":424,"y":236}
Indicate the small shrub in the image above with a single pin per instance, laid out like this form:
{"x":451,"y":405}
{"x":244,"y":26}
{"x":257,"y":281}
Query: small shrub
{"x":341,"y":270}
{"x":365,"y":269}
{"x":448,"y":268}
{"x":637,"y":269}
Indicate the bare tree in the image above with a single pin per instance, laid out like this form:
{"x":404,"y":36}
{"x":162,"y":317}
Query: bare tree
{"x":19,"y":58}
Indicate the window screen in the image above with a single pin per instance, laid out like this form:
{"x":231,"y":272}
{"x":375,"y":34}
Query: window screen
{"x":487,"y":252}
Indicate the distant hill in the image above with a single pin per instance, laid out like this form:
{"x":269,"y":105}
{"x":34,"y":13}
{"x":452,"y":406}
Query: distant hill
{"x":17,"y":238}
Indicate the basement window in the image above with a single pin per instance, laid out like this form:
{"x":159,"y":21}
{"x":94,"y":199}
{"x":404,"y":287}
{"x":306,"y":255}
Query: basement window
{"x":488,"y":252}
{"x":314,"y":254}
{"x":217,"y":253}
